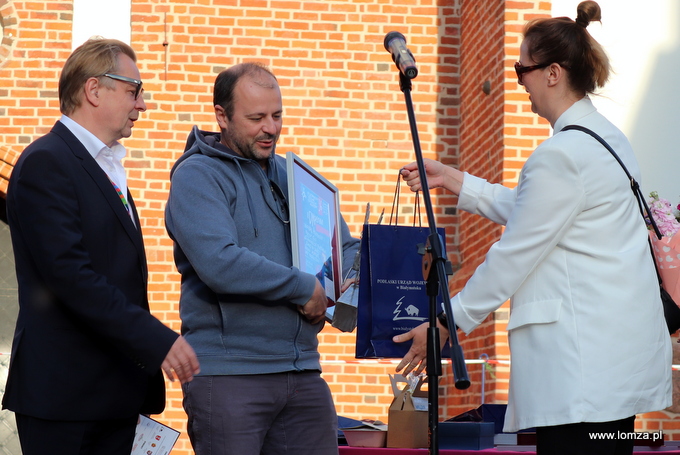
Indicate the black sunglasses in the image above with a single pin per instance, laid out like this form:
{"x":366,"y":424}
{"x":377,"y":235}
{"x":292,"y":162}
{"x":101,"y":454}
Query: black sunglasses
{"x":521,"y":70}
{"x":129,"y":80}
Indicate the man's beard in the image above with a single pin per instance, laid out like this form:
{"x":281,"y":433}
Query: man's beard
{"x":249,"y":149}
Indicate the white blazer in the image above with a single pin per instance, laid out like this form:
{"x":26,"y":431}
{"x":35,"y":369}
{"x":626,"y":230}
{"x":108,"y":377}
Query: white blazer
{"x":587,"y":334}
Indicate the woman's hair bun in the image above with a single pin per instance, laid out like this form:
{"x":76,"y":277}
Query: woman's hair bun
{"x":586,"y":12}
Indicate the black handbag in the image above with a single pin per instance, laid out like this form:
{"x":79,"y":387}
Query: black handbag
{"x":671,"y":311}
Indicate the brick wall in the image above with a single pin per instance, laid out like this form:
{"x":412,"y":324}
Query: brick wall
{"x":343,"y":113}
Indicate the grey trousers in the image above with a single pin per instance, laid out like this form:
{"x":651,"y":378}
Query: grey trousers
{"x":270,"y":414}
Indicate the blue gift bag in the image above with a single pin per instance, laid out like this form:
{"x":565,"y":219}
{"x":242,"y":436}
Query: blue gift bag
{"x":392,"y":291}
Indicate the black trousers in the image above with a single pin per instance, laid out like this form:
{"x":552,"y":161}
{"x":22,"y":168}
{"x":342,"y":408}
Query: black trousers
{"x":58,"y":437}
{"x":602,"y":438}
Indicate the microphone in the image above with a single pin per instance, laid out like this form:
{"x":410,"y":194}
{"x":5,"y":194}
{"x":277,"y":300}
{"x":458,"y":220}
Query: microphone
{"x":395,"y":43}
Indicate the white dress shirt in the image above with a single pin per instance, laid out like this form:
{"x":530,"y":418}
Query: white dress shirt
{"x":108,"y":158}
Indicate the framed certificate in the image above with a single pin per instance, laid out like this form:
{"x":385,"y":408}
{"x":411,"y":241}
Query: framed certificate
{"x":315,"y":225}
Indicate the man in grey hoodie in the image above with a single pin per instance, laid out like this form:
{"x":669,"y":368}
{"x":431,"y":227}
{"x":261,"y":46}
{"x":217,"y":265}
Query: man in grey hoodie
{"x":251,"y":317}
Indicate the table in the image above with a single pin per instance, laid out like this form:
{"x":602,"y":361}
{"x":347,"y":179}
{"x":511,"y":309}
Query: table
{"x":516,"y":450}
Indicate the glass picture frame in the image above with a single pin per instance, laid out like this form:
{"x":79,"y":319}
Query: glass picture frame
{"x":314,"y":204}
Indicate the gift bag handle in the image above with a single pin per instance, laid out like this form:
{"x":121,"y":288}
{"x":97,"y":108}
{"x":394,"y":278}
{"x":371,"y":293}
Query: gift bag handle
{"x":395,"y":203}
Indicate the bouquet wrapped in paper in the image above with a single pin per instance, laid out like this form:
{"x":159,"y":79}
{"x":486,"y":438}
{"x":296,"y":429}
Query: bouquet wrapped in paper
{"x":666,"y":249}
{"x":667,"y":252}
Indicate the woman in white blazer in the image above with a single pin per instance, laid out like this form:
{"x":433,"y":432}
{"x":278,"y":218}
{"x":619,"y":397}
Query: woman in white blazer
{"x":588,"y":340}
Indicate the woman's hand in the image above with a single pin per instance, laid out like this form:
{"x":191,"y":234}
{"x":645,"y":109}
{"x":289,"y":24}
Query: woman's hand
{"x":438,"y":175}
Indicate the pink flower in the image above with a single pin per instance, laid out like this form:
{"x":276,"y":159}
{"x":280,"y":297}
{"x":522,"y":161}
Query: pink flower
{"x":664,"y":217}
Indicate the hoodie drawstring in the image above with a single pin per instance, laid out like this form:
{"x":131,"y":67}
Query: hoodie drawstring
{"x":249,"y":198}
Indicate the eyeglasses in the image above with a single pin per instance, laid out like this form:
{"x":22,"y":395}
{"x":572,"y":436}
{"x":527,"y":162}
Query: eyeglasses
{"x":129,"y":80}
{"x":521,"y":70}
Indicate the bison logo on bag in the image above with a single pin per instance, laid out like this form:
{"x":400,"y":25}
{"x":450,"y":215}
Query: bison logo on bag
{"x":412,"y":312}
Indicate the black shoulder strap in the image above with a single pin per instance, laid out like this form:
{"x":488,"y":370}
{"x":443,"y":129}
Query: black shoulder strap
{"x":635,"y":187}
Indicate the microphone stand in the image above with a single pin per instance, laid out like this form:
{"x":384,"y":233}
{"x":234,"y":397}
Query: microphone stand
{"x":435,"y":267}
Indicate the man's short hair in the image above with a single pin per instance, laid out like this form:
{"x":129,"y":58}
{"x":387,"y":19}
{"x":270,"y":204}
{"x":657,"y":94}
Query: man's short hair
{"x":93,"y":58}
{"x":223,"y":92}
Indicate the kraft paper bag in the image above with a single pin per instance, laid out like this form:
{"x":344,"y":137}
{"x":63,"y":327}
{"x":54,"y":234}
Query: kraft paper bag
{"x":407,"y":419}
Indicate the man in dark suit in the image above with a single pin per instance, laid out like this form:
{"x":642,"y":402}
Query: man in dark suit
{"x":87,"y":354}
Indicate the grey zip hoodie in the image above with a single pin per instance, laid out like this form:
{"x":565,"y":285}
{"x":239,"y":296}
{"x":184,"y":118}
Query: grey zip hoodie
{"x":240,"y":293}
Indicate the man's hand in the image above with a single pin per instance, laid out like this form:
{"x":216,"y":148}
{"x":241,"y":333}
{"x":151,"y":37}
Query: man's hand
{"x":181,"y":362}
{"x":347,"y":283}
{"x":416,"y":357}
{"x":315,"y":309}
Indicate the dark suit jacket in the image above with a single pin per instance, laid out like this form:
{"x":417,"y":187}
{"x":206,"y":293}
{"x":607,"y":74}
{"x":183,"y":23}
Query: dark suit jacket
{"x":85,"y":346}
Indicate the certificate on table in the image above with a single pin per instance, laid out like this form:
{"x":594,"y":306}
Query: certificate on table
{"x":153,"y":438}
